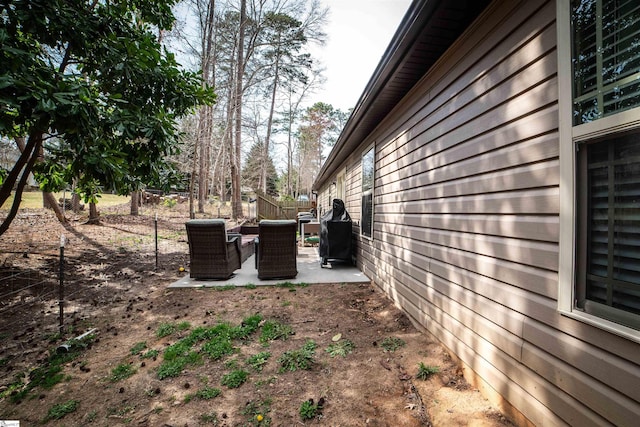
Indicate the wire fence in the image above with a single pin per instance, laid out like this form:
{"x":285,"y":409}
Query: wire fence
{"x":47,"y":287}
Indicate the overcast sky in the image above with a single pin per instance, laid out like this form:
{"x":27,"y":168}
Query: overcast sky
{"x":359,"y":31}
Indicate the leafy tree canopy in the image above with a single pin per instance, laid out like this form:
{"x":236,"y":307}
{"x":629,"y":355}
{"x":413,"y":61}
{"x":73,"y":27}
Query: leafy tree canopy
{"x":89,"y":84}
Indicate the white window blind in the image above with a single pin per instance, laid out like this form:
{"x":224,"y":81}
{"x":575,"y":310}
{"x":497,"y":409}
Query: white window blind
{"x":606,"y":58}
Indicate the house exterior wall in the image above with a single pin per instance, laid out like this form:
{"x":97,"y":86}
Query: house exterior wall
{"x":466,"y":225}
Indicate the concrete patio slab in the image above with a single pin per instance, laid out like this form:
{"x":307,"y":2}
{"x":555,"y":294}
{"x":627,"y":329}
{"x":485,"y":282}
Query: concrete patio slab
{"x":309,"y":271}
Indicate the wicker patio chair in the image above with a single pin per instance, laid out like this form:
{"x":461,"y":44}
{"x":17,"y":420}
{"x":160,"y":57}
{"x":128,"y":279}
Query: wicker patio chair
{"x":212,"y":254}
{"x":276,"y":249}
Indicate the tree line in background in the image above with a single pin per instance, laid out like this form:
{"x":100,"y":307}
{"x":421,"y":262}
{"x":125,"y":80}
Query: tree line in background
{"x":93,"y":98}
{"x":256,"y":54}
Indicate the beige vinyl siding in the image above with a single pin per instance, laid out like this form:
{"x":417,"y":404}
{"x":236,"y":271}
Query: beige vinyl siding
{"x":465,"y":235}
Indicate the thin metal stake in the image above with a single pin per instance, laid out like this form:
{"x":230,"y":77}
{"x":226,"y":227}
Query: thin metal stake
{"x":156,"y":226}
{"x":61,"y":287}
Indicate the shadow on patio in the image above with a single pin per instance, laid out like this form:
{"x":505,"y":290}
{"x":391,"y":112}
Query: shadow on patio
{"x":309,"y":271}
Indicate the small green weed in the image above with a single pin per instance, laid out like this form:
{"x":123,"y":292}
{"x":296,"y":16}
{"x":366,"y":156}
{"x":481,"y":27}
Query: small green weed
{"x":291,"y":286}
{"x":257,"y":361}
{"x":121,"y":372}
{"x":169,"y":202}
{"x":60,"y":410}
{"x":138,"y":348}
{"x":223,"y":288}
{"x":234,"y":379}
{"x":309,"y":410}
{"x":231,"y":363}
{"x":218,"y":347}
{"x":165,"y":329}
{"x":211,"y":418}
{"x":49,"y":373}
{"x":256,"y":412}
{"x":302,"y":358}
{"x":250,"y":286}
{"x":391,"y":344}
{"x":151,"y":354}
{"x":208,"y":393}
{"x":424,"y":372}
{"x":340,"y":348}
{"x":273,"y":330}
{"x":91,"y":416}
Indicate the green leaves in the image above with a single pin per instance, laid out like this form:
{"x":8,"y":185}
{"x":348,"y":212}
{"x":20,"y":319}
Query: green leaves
{"x":93,"y":79}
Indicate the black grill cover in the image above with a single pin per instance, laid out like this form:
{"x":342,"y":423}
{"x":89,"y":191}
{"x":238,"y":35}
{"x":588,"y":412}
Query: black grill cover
{"x":335,"y":233}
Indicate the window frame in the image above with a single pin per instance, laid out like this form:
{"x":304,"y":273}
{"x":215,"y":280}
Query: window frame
{"x":363,"y":192}
{"x":570,"y":137}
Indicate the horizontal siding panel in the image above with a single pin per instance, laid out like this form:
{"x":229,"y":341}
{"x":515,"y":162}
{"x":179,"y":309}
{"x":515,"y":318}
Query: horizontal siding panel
{"x":480,"y":66}
{"x":421,"y":187}
{"x":532,"y":227}
{"x":444,"y":261}
{"x":527,"y":252}
{"x":457,"y":112}
{"x":598,"y":364}
{"x":465,"y":160}
{"x":616,"y":408}
{"x":530,"y":151}
{"x":523,"y":129}
{"x":533,"y":201}
{"x":441,"y":137}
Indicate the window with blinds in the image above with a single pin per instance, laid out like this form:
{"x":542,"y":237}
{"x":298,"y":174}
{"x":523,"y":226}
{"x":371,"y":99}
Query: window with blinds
{"x":606,"y":58}
{"x":368,"y":173}
{"x":606,"y":69}
{"x":610,"y":283}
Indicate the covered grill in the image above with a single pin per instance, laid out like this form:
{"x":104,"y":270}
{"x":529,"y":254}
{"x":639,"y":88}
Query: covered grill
{"x":335,"y":234}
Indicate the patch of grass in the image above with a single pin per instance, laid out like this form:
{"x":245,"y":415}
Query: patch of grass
{"x":235,"y":379}
{"x":60,"y":410}
{"x":231,"y":363}
{"x":257,"y":361}
{"x":91,"y":416}
{"x":289,"y":285}
{"x":273,"y":330}
{"x":250,"y":286}
{"x":391,"y":344}
{"x":150,"y":354}
{"x":257,"y":412}
{"x":309,"y":410}
{"x":223,"y":288}
{"x":121,"y":372}
{"x":340,"y":348}
{"x":218,"y":347}
{"x":211,"y":418}
{"x":166,"y":329}
{"x":138,"y":348}
{"x":302,"y":358}
{"x":49,"y":373}
{"x":424,"y":371}
{"x":217,"y":344}
{"x":208,"y":393}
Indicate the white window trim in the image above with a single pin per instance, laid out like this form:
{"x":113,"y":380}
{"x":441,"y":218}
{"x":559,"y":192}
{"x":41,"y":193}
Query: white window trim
{"x":373,"y":190}
{"x":568,"y":136}
{"x":341,"y":184}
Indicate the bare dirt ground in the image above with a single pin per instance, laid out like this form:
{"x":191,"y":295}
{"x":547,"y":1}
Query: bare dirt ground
{"x":124,"y":377}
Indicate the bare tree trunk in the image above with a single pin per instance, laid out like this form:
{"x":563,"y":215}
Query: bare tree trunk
{"x":94,"y":214}
{"x":236,"y":200}
{"x":49,"y":201}
{"x":267,"y":139}
{"x":204,"y":141}
{"x":135,"y":203}
{"x":192,"y":180}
